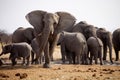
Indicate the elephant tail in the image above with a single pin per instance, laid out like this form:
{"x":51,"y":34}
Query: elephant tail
{"x":98,"y":41}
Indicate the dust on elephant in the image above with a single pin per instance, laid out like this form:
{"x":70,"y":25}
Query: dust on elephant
{"x":73,"y":47}
{"x":86,"y":29}
{"x":17,"y":50}
{"x":106,"y":38}
{"x":35,"y":47}
{"x":116,"y":42}
{"x":95,"y":49}
{"x":23,"y":35}
{"x":47,"y":26}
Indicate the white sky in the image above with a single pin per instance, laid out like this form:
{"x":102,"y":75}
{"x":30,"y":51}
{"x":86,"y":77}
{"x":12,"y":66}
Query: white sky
{"x":101,"y":13}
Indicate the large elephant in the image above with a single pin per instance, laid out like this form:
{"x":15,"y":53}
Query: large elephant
{"x":116,"y":42}
{"x":95,"y":49}
{"x":47,"y":26}
{"x":106,"y":38}
{"x":17,"y":50}
{"x":73,"y":47}
{"x":23,"y":35}
{"x":86,"y":29}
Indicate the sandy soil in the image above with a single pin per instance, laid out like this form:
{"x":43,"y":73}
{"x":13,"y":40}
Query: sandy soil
{"x":60,"y":71}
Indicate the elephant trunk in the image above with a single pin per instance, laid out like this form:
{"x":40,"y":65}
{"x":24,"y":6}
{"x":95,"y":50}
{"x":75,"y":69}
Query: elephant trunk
{"x":42,"y":39}
{"x":53,"y":43}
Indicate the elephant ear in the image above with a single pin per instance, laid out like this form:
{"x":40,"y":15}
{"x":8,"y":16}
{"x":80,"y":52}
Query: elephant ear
{"x":35,"y":18}
{"x":66,"y":21}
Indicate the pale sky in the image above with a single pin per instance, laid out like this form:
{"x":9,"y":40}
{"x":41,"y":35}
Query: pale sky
{"x":100,"y":13}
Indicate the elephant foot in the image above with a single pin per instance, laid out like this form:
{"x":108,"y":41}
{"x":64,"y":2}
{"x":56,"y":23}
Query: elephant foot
{"x":46,"y":65}
{"x":36,"y":62}
{"x":116,"y":59}
{"x":111,"y":61}
{"x":104,"y":58}
{"x":101,"y":63}
{"x":14,"y":63}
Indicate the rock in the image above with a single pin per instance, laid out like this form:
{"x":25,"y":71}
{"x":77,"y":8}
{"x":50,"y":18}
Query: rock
{"x":4,"y":75}
{"x":94,"y":75}
{"x":17,"y":74}
{"x":105,"y":70}
{"x":24,"y":75}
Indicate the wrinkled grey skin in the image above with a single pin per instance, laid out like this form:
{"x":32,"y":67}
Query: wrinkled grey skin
{"x":106,"y":38}
{"x":95,"y":49}
{"x":116,"y":42}
{"x":73,"y":47}
{"x":23,"y":35}
{"x":35,"y":47}
{"x":17,"y":50}
{"x":86,"y":29}
{"x":47,"y":26}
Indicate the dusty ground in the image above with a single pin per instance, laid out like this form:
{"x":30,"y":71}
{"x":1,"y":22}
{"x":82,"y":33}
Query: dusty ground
{"x":60,"y":71}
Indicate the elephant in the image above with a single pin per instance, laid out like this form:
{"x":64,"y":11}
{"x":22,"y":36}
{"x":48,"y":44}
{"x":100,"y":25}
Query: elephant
{"x":86,"y":29}
{"x":73,"y":47}
{"x":35,"y":47}
{"x":23,"y":35}
{"x":116,"y":42}
{"x":95,"y":49}
{"x":47,"y":27}
{"x":18,"y":50}
{"x":106,"y":38}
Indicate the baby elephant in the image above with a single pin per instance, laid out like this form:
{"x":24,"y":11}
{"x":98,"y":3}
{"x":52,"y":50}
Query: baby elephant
{"x":95,"y":48}
{"x":18,"y":50}
{"x":73,"y":47}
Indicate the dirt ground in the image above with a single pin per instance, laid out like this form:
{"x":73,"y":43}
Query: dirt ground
{"x":60,"y":71}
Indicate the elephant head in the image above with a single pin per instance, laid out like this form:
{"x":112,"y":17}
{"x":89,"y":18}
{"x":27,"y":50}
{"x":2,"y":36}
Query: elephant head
{"x":85,"y":28}
{"x":6,"y":49}
{"x":90,"y":31}
{"x":61,"y":37}
{"x":47,"y":27}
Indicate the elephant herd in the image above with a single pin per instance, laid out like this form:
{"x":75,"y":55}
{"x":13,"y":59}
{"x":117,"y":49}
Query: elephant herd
{"x":81,"y":43}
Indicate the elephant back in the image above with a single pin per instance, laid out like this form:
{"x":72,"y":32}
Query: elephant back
{"x":66,"y":21}
{"x":17,"y":35}
{"x":116,"y":36}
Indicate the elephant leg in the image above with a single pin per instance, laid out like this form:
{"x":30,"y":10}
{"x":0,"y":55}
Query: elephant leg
{"x":91,"y":58}
{"x":100,"y":56}
{"x":32,"y":56}
{"x":63,"y":58}
{"x":70,"y":59}
{"x":13,"y":61}
{"x":96,"y":57}
{"x":104,"y":52}
{"x":73,"y":58}
{"x":117,"y":55}
{"x":63,"y":53}
{"x":110,"y":53}
{"x":28,"y":58}
{"x":78,"y":57}
{"x":47,"y":57}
